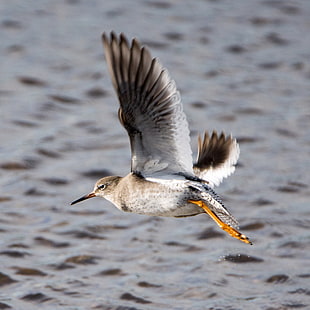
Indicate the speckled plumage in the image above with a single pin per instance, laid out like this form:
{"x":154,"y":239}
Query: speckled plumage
{"x":161,"y":197}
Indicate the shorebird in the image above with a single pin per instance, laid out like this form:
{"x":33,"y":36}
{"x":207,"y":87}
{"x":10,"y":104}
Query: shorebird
{"x":163,"y":180}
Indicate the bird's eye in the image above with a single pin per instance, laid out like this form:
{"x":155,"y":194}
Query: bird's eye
{"x":102,"y":186}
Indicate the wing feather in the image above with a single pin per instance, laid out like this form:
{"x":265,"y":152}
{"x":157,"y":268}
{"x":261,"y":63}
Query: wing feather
{"x":217,"y":157}
{"x":150,"y":109}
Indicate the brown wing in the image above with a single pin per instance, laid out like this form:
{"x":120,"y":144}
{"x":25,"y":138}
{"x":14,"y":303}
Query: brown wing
{"x":217,"y":157}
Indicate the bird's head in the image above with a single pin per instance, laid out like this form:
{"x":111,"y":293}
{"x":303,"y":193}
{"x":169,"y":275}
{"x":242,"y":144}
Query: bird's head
{"x":103,"y":188}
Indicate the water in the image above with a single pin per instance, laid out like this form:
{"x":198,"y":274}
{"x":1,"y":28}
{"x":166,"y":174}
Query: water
{"x":242,"y":67}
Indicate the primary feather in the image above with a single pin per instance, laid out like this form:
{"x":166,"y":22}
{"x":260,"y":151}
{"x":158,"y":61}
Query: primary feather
{"x":217,"y":157}
{"x":150,"y":109}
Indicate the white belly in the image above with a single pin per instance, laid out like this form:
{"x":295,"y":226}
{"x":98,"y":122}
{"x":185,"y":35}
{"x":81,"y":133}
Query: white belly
{"x":158,"y":197}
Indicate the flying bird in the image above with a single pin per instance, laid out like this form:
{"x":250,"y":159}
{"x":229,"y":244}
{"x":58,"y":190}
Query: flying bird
{"x":163,"y":180}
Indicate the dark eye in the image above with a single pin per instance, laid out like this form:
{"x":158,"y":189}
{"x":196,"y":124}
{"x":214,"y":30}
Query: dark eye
{"x":102,"y":186}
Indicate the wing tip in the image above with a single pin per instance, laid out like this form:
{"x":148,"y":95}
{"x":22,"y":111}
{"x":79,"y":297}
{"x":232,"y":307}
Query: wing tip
{"x":217,"y":156}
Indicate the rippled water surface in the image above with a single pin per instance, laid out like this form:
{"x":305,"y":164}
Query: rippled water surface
{"x":242,"y":67}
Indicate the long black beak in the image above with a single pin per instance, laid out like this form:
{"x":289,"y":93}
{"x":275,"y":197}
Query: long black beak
{"x":90,"y":195}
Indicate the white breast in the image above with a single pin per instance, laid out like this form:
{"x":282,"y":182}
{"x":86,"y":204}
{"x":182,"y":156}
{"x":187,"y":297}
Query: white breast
{"x":158,"y":197}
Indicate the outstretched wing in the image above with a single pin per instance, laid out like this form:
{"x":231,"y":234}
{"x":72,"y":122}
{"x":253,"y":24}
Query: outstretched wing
{"x":217,"y":157}
{"x":150,"y":109}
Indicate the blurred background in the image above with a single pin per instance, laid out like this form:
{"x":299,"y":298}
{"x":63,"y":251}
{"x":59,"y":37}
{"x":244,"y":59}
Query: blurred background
{"x":242,"y":67}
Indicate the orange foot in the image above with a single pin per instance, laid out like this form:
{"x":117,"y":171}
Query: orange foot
{"x":230,"y":230}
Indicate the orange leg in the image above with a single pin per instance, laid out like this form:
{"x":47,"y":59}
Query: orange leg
{"x":230,"y":230}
